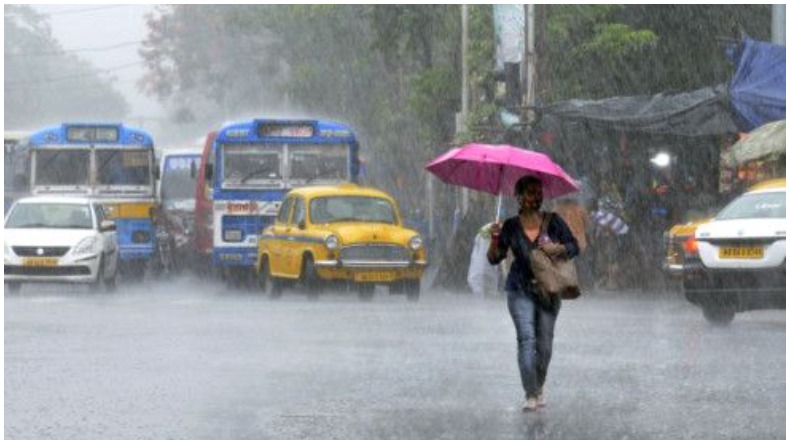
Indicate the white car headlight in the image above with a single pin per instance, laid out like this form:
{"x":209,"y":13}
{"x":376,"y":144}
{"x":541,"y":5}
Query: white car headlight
{"x":415,"y":243}
{"x":331,"y":242}
{"x":86,"y":246}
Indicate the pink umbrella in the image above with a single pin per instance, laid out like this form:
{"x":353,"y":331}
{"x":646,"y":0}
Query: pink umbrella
{"x":495,"y":169}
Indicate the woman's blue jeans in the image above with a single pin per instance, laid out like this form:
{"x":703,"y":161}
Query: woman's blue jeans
{"x":535,"y":333}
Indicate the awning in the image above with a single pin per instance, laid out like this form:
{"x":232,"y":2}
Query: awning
{"x":769,"y":139}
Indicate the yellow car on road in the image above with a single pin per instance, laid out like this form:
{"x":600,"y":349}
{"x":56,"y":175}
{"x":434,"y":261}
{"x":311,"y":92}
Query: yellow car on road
{"x":341,"y":233}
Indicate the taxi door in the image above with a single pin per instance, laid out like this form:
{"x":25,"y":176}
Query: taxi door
{"x":293,"y":238}
{"x":276,"y":245}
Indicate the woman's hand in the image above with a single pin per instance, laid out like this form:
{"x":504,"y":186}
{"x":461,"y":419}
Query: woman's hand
{"x":493,"y":247}
{"x":494,"y":229}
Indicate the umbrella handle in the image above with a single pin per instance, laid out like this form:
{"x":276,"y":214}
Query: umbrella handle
{"x":498,"y":207}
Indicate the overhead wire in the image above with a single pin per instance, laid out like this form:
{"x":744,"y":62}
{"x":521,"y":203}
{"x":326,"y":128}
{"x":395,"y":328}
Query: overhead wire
{"x":71,"y":77}
{"x":69,"y":51}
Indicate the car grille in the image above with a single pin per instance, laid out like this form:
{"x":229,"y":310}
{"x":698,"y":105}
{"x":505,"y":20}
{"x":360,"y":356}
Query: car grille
{"x":374,"y":253}
{"x":47,"y":251}
{"x":17,"y":270}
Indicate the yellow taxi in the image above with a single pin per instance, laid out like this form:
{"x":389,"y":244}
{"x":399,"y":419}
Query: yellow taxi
{"x":340,"y":233}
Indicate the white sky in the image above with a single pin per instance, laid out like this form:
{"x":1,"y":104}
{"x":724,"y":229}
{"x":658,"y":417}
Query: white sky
{"x":100,"y":28}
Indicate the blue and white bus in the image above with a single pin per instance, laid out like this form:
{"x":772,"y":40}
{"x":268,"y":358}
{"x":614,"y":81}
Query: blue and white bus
{"x":110,"y":162}
{"x":256,"y":163}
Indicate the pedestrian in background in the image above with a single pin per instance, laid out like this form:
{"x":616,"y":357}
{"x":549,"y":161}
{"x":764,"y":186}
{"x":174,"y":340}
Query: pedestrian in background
{"x":533,"y":317}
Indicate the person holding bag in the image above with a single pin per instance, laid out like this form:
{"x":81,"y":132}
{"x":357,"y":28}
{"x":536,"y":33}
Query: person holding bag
{"x":534,"y":313}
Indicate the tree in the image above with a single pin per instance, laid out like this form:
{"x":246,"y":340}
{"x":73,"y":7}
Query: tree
{"x":44,"y":84}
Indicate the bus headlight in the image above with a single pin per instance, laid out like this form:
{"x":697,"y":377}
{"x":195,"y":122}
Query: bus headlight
{"x":415,"y":243}
{"x":331,"y":242}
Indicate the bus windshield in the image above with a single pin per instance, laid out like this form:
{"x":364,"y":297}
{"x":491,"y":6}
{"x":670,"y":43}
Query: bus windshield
{"x":178,"y":184}
{"x":123,"y":166}
{"x":62,"y":167}
{"x":253,"y":165}
{"x":317,"y":163}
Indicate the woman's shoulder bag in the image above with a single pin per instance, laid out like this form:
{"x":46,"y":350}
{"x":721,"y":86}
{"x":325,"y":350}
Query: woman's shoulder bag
{"x":556,"y":276}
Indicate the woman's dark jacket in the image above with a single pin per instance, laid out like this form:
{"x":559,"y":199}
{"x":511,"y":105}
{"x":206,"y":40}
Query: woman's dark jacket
{"x":512,"y":237}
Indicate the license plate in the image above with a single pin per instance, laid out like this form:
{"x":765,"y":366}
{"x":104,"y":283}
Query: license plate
{"x":40,"y":262}
{"x":377,"y":276}
{"x":741,"y":252}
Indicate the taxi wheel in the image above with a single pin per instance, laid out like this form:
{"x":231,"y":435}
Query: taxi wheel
{"x":13,"y":287}
{"x":266,"y":282}
{"x":719,"y":316}
{"x":413,"y":289}
{"x":310,"y":279}
{"x":365,"y":291}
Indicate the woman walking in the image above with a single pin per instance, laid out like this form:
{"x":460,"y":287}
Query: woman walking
{"x":534,"y":317}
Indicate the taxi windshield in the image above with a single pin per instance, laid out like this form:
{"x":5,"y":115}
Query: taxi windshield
{"x":325,"y":210}
{"x":756,"y":206}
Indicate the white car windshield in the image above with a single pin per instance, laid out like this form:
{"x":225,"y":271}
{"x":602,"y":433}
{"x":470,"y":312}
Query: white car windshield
{"x":755,"y":206}
{"x":325,"y":210}
{"x":50,"y":215}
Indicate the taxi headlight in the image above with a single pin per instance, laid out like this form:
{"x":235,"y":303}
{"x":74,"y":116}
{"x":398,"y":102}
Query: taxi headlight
{"x":331,"y":242}
{"x":415,"y":243}
{"x":7,"y":251}
{"x":86,"y":246}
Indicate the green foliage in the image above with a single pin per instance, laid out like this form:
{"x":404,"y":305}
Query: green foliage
{"x":433,"y":92}
{"x":394,"y":71}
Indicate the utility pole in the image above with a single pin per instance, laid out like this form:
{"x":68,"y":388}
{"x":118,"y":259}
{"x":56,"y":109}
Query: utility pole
{"x":464,"y":90}
{"x":529,"y":64}
{"x":778,"y":23}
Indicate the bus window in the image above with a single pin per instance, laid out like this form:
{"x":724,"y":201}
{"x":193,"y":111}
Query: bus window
{"x":318,"y":163}
{"x":62,"y":167}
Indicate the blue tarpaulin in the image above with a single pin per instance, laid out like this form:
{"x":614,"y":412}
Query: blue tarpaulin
{"x":757,"y":90}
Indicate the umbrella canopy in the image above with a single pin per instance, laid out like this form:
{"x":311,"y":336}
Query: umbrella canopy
{"x":765,"y":140}
{"x":495,"y":169}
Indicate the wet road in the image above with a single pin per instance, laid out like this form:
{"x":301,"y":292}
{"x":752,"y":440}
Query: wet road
{"x":189,"y":360}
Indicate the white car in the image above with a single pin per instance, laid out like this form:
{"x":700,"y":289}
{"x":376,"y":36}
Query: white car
{"x":736,"y":262}
{"x":59,"y":239}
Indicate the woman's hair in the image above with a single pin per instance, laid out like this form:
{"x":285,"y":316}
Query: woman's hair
{"x":521,"y":185}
